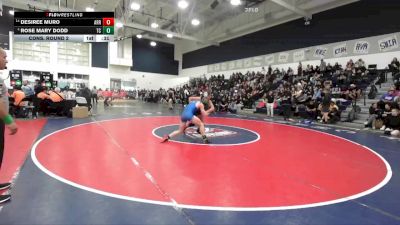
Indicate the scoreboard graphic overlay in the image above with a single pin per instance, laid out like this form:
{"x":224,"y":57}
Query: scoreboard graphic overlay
{"x":64,"y":26}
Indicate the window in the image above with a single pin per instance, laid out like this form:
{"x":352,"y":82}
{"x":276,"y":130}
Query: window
{"x":73,"y":53}
{"x":32,"y":51}
{"x":73,"y":81}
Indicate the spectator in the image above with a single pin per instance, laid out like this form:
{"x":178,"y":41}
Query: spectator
{"x":322,"y":66}
{"x":223,"y":105}
{"x":392,"y":123}
{"x":350,"y":65}
{"x":359,"y":64}
{"x":87,"y":94}
{"x":37,"y":87}
{"x":334,"y":114}
{"x":94,"y":95}
{"x":27,"y":89}
{"x":385,"y":115}
{"x":300,"y":70}
{"x":311,"y":109}
{"x":389,"y":96}
{"x":325,"y":108}
{"x":18,"y":96}
{"x":270,"y":100}
{"x":56,"y":95}
{"x":108,"y":97}
{"x":17,"y":108}
{"x":374,"y":113}
{"x":394,"y":66}
{"x":286,"y":103}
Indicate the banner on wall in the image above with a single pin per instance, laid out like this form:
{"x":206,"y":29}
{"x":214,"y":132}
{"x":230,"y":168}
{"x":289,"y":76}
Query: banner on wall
{"x":283,"y":57}
{"x":257,"y":61}
{"x":340,"y":50}
{"x":211,"y":68}
{"x":247,"y":63}
{"x":216,"y":68}
{"x":231,"y":65}
{"x":298,"y":56}
{"x":239,"y":64}
{"x":388,"y":43}
{"x":269,"y":59}
{"x":361,"y":47}
{"x":376,"y":44}
{"x":320,"y":52}
{"x":223,"y":66}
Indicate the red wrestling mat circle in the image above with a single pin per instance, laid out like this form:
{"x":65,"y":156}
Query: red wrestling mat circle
{"x":288,"y":167}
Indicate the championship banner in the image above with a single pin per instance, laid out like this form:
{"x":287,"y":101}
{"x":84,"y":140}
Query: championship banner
{"x":340,"y":50}
{"x":388,"y":43}
{"x":283,"y":57}
{"x":269,"y":59}
{"x":320,"y":52}
{"x":298,"y":56}
{"x":361,"y":47}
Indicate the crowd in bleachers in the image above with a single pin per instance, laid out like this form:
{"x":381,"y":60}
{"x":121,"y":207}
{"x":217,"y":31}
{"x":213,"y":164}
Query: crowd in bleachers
{"x":314,"y":92}
{"x":384,"y":114}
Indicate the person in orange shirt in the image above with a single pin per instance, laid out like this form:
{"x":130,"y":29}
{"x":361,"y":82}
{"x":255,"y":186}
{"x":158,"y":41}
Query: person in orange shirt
{"x":18,"y":96}
{"x":56,"y":95}
{"x":42,"y":94}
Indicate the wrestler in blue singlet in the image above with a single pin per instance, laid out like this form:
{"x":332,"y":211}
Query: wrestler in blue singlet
{"x":189,"y":111}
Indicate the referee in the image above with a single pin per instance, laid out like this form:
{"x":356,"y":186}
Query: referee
{"x":6,"y":119}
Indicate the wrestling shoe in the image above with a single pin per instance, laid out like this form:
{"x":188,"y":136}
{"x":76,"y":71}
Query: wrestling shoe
{"x":165,"y":138}
{"x":4,"y":198}
{"x":4,"y":186}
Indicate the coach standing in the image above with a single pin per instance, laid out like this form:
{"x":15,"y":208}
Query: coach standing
{"x":6,"y":119}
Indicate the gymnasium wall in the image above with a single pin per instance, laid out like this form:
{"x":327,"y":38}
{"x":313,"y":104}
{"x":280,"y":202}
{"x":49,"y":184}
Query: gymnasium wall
{"x":379,"y":50}
{"x":159,"y":59}
{"x":365,"y":18}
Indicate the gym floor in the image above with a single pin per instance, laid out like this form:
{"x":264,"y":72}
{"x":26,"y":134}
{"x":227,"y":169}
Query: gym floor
{"x":111,"y":168}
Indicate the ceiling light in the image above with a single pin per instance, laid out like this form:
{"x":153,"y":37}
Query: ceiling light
{"x":183,"y":4}
{"x":139,"y":36}
{"x":195,"y":22}
{"x":170,"y":35}
{"x":89,"y":9}
{"x":153,"y":43}
{"x":154,"y":25}
{"x":135,"y":6}
{"x":119,"y":24}
{"x":11,"y":11}
{"x":236,"y":2}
